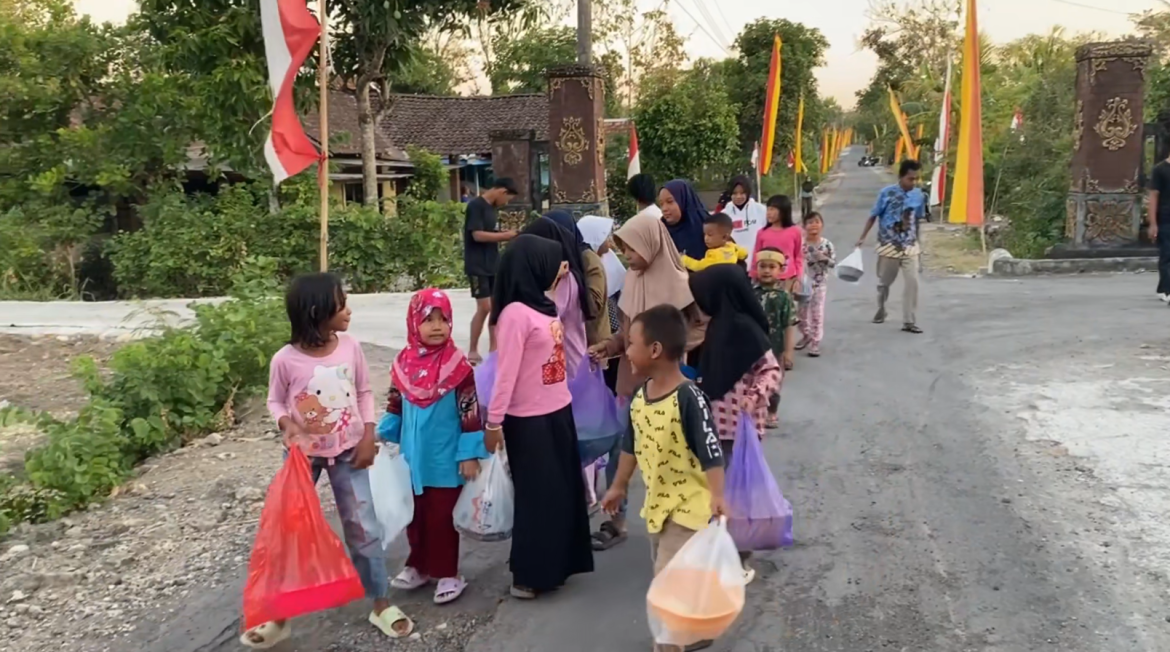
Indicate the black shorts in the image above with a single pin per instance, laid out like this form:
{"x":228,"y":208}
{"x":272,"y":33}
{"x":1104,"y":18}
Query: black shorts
{"x":481,"y":286}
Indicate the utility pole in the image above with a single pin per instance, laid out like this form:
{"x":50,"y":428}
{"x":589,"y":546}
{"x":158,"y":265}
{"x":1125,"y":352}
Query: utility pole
{"x":584,"y":32}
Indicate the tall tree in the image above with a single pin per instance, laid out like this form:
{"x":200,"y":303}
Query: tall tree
{"x":747,"y":75}
{"x":687,"y":125}
{"x":521,"y":60}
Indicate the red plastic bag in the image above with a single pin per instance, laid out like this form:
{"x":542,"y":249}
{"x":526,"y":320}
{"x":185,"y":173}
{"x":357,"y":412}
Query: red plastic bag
{"x":298,"y":564}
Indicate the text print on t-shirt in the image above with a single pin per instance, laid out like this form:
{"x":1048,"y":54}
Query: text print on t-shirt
{"x":553,"y":371}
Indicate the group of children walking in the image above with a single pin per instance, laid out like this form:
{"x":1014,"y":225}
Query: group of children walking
{"x":551,"y":304}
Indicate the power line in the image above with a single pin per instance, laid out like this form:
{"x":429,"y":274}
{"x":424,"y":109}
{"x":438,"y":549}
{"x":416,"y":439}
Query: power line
{"x":723,"y":19}
{"x":702,"y":7}
{"x":1071,"y":3}
{"x":700,"y":26}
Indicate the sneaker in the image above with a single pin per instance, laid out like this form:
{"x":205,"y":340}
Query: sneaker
{"x":1164,"y":298}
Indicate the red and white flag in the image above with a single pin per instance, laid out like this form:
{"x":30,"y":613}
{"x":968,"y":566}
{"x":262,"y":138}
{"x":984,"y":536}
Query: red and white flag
{"x":289,"y":34}
{"x":791,"y":161}
{"x":938,"y":183}
{"x":635,"y":165}
{"x":1018,"y":122}
{"x":756,"y":156}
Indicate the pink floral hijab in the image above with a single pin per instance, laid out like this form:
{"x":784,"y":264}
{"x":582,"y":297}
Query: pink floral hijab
{"x":425,"y":373}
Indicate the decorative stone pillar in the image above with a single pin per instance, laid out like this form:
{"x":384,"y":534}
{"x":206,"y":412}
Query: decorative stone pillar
{"x":576,"y":134}
{"x":1105,"y":204}
{"x":513,"y":156}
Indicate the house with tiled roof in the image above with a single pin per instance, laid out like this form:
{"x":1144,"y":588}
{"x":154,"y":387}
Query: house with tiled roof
{"x":458,"y":129}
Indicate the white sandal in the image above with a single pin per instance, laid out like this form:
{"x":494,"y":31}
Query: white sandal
{"x":449,"y":590}
{"x":409,"y":579}
{"x":270,"y":634}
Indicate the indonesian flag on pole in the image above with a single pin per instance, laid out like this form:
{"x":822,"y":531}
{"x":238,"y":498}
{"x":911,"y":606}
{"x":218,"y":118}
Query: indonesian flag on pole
{"x":290,"y":32}
{"x":756,"y":156}
{"x":791,"y":161}
{"x":938,"y":190}
{"x":1018,"y":122}
{"x":635,"y":165}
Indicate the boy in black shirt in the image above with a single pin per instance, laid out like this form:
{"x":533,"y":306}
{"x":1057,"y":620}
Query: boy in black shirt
{"x":481,"y":252}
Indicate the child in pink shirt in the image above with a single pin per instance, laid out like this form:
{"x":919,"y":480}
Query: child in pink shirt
{"x":530,"y":404}
{"x":782,"y":233}
{"x":319,"y":394}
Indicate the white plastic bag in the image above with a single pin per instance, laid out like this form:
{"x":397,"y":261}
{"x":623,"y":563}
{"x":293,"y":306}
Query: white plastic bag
{"x":851,"y":269}
{"x":393,"y":492}
{"x":485,"y":510}
{"x":700,"y":592}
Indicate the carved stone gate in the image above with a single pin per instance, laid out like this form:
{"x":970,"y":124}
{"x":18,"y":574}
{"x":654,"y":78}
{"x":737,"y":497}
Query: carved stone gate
{"x":1105,"y":206}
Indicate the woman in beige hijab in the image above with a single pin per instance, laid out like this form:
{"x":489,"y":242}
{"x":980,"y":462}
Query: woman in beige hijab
{"x":655,"y":276}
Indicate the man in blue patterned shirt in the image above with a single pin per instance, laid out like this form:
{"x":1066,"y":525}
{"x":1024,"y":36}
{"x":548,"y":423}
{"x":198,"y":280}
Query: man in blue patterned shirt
{"x":897,"y":211}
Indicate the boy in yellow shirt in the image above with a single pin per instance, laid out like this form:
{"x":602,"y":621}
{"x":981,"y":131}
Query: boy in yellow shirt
{"x":721,"y":249}
{"x":672,"y":437}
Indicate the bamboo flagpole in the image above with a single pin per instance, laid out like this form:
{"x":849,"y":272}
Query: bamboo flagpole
{"x":323,"y":166}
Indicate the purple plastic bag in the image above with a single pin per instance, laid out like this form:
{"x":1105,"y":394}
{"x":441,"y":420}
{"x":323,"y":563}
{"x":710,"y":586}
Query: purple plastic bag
{"x":485,"y":379}
{"x":594,"y":406}
{"x":759,"y":518}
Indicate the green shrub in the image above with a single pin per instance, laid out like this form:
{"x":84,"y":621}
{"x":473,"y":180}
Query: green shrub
{"x":157,"y":392}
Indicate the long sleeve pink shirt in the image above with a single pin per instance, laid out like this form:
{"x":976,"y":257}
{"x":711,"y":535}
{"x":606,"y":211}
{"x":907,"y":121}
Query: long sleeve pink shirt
{"x":330,"y":397}
{"x":788,"y":240}
{"x":531,"y":374}
{"x":568,"y":300}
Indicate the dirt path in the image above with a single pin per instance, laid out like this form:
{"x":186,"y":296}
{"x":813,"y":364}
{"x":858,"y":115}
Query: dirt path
{"x":161,"y":566}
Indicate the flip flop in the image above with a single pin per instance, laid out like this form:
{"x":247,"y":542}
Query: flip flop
{"x":409,"y":579}
{"x":449,"y":589}
{"x":474,"y":359}
{"x":801,"y":345}
{"x":911,"y":328}
{"x":607,"y":536}
{"x":270,"y":634}
{"x":385,"y":622}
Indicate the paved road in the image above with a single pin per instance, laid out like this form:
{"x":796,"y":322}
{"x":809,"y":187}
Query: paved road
{"x":930,"y":518}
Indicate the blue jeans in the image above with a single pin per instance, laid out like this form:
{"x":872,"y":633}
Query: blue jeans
{"x":359,"y":523}
{"x":592,"y":449}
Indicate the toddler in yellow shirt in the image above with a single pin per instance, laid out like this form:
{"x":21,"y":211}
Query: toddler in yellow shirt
{"x":721,"y":249}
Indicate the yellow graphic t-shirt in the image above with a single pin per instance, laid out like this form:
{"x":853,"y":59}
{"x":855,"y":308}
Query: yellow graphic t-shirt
{"x":675,"y":441}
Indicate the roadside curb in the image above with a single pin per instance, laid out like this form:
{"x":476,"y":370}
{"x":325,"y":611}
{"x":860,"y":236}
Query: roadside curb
{"x":1012,"y":267}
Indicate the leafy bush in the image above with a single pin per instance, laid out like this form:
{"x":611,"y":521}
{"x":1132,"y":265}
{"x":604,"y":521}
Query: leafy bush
{"x":157,"y":393}
{"x":192,"y":246}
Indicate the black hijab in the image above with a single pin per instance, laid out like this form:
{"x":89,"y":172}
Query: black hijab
{"x":526,"y":271}
{"x":547,"y":228}
{"x":737,"y":336}
{"x":565,"y":220}
{"x":740,"y":180}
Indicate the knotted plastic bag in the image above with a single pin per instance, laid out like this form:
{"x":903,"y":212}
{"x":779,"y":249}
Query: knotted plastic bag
{"x":594,"y":407}
{"x":759,"y":518}
{"x":485,"y":379}
{"x":298,"y":564}
{"x":851,"y":269}
{"x":485,"y":510}
{"x":700,"y":592}
{"x":393,"y":492}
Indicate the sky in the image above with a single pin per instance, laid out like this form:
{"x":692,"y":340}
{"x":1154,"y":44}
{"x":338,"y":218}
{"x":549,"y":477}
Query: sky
{"x":847,"y":68}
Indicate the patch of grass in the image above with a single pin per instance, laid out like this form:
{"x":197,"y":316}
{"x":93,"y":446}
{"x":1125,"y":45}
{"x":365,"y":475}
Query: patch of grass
{"x":951,"y":249}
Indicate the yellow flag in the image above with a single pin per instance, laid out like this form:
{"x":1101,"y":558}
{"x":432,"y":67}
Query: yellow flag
{"x":967,"y":191}
{"x":771,"y":108}
{"x":825,"y":150}
{"x":900,"y":118}
{"x":798,"y":165}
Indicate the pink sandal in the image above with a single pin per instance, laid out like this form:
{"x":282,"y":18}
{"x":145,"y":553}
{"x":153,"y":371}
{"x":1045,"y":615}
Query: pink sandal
{"x":449,"y":589}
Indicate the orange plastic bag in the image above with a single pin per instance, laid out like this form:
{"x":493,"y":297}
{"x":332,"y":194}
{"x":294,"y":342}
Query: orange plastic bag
{"x":700,"y":593}
{"x":298,"y":564}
